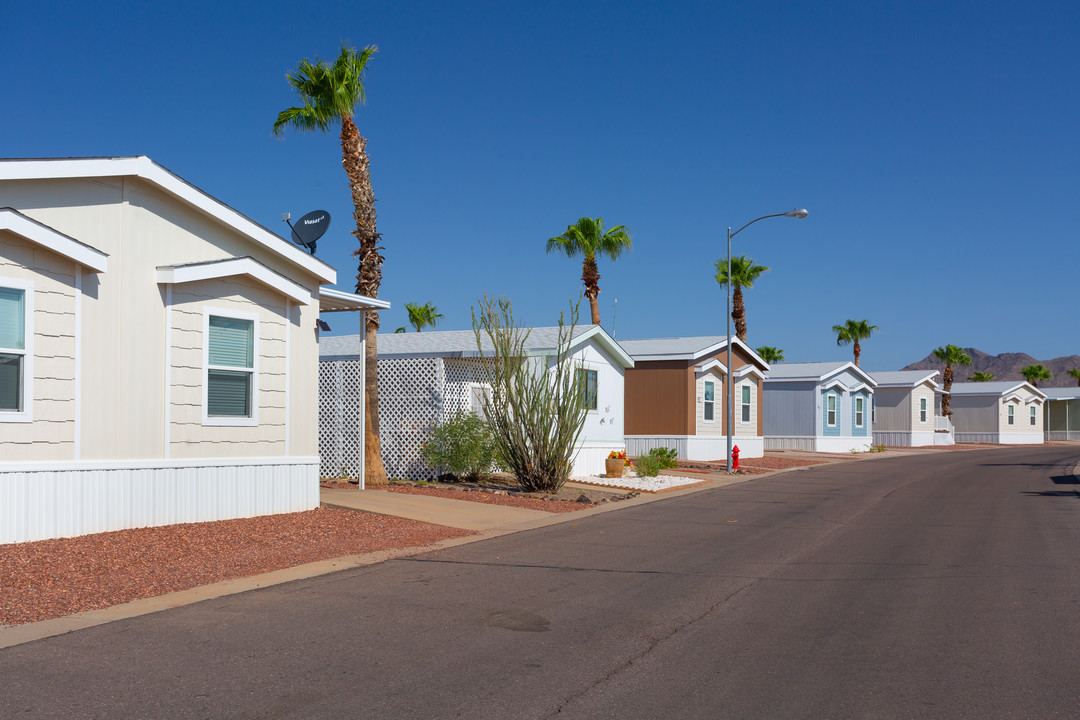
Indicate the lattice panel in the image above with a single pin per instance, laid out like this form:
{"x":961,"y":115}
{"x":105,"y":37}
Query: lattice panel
{"x":460,"y":375}
{"x":340,"y":393}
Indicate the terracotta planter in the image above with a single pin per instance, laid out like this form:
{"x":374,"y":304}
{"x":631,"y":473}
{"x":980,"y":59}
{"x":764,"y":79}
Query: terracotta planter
{"x":614,"y":467}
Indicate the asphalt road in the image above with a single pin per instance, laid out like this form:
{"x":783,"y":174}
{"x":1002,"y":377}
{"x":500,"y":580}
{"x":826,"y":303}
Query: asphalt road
{"x":936,"y":586}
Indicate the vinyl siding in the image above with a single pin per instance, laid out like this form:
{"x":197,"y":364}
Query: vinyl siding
{"x":863,"y":431}
{"x":892,"y":410}
{"x":927,"y":392}
{"x":975,"y":414}
{"x":840,"y":403}
{"x":715,"y":427}
{"x":659,"y":398}
{"x":789,"y":409}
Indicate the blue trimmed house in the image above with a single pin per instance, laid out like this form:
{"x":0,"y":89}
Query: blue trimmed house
{"x":823,"y":407}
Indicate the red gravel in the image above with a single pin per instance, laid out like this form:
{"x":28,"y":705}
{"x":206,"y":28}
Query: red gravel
{"x":53,"y":578}
{"x":555,"y":506}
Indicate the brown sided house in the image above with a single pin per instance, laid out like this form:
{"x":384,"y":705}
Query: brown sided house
{"x":676,"y":391}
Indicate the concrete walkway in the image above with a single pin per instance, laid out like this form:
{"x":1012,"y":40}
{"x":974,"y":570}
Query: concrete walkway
{"x":461,"y":514}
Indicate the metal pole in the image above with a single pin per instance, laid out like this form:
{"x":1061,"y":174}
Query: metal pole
{"x":730,"y":404}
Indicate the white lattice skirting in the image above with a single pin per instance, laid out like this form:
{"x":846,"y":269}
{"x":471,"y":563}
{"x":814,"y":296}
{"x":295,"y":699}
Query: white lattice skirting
{"x":39,"y":501}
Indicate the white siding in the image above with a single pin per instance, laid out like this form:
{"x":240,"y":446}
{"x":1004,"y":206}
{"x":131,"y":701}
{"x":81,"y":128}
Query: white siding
{"x":714,"y":427}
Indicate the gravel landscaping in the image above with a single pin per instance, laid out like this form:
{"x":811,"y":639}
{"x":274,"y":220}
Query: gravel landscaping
{"x":53,"y":578}
{"x":633,"y":481}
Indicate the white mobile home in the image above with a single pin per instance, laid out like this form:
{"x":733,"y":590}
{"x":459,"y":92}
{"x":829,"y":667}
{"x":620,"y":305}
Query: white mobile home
{"x":903,"y":410}
{"x":823,"y":406}
{"x":998,"y":412}
{"x":428,"y":377}
{"x":158,"y":360}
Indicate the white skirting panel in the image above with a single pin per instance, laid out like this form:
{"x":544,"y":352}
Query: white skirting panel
{"x":943,"y":438}
{"x":1002,"y":438}
{"x":590,"y":458}
{"x":903,"y":438}
{"x":696,"y":447}
{"x":39,"y":501}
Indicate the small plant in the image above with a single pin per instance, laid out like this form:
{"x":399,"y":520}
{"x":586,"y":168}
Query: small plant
{"x":649,"y":465}
{"x":462,"y":446}
{"x":669,"y":457}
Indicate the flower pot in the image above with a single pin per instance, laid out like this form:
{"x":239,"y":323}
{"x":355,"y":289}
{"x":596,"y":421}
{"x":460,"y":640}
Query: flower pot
{"x":614,"y":467}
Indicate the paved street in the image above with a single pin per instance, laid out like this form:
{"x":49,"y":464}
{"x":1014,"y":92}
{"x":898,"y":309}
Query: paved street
{"x":942,"y":585}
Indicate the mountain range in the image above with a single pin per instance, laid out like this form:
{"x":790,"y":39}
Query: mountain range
{"x":1005,"y":366}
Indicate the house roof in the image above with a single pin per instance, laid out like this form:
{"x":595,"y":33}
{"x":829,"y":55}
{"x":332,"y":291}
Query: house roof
{"x":975,"y":389}
{"x":685,"y":348}
{"x":1072,"y":393}
{"x":30,"y":229}
{"x":340,"y":301}
{"x":147,"y":170}
{"x":462,"y":343}
{"x":905,"y":378}
{"x":815,"y":372}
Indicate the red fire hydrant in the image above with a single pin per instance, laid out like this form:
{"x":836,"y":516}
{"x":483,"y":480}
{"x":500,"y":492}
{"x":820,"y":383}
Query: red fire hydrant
{"x":735,"y":458}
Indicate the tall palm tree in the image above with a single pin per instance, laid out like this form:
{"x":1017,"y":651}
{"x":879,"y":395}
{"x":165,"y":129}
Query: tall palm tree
{"x":851,"y":332}
{"x":1075,"y":372}
{"x":979,"y":376}
{"x":587,"y":239}
{"x":770,"y":354}
{"x":950,"y":355}
{"x":1034,"y":373}
{"x":330,"y":93}
{"x":422,"y":316}
{"x":743,"y":273}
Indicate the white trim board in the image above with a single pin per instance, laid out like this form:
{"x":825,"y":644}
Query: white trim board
{"x":29,"y":229}
{"x":214,"y":269}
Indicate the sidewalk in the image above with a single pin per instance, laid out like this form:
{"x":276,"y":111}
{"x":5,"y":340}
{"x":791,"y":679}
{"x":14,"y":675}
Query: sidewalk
{"x":461,"y":514}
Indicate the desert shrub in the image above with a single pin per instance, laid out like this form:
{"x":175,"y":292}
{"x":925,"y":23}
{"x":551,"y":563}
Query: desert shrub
{"x":649,"y":465}
{"x":536,"y":408}
{"x":463,"y":447}
{"x":669,"y":457}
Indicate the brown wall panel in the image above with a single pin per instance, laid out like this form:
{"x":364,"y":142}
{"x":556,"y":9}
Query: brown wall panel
{"x":660,"y":398}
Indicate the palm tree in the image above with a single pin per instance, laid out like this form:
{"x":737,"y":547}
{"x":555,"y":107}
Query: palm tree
{"x":743,"y":272}
{"x":400,"y":330}
{"x":950,"y":355}
{"x":1075,"y":372}
{"x":852,"y":332}
{"x":331,"y":93}
{"x":588,"y":239}
{"x":770,"y":354}
{"x":1034,"y":373}
{"x":422,"y":316}
{"x":981,"y":377}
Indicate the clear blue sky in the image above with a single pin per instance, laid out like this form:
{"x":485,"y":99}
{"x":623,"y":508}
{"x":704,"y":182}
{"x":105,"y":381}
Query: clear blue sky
{"x":936,"y":146}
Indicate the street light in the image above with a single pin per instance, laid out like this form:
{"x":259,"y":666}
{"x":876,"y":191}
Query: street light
{"x":799,"y":213}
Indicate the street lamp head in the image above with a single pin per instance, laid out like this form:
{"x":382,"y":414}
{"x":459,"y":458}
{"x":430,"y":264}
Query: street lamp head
{"x":797,"y":213}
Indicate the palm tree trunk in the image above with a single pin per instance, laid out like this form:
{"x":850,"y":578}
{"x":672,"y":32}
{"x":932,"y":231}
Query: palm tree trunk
{"x":591,"y":277}
{"x":738,"y":313}
{"x":946,"y":399}
{"x":858,"y":352}
{"x":354,"y":160}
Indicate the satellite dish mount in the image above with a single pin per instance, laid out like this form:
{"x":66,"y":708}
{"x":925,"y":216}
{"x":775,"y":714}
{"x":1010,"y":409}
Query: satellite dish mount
{"x":309,"y":228}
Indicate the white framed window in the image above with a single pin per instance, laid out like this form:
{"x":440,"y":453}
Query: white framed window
{"x":709,"y":410}
{"x":1032,"y":415}
{"x":1012,"y":414}
{"x":230,"y":367}
{"x":745,"y":403}
{"x":922,"y":410}
{"x":588,"y":380}
{"x":860,"y":412}
{"x":830,"y":410}
{"x":479,"y":398}
{"x":16,"y":350}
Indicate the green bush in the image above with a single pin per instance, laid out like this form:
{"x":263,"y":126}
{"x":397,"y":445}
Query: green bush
{"x":462,"y":446}
{"x":649,"y":465}
{"x":668,"y":456}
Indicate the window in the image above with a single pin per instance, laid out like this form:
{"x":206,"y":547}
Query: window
{"x":1012,"y":412}
{"x":587,"y":379}
{"x":860,"y":411}
{"x":873,"y":410}
{"x":745,"y":403}
{"x":1032,"y":415}
{"x":16,"y":351}
{"x":231,"y":375}
{"x":710,"y":400}
{"x":922,"y":410}
{"x":830,"y":415}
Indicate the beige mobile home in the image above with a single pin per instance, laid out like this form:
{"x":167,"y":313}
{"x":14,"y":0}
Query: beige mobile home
{"x":903,"y":410}
{"x":158,"y":357}
{"x":998,"y":412}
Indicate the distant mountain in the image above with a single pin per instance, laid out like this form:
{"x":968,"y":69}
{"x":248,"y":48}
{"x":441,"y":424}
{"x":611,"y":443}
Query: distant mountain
{"x":1005,"y":366}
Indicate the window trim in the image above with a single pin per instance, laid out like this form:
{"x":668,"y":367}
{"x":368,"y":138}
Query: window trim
{"x":596,"y":398}
{"x":924,"y":413}
{"x":835,"y":411}
{"x":706,"y":403}
{"x":26,"y":387}
{"x":860,"y":411}
{"x":225,"y":421}
{"x":744,"y":405}
{"x":1010,"y":411}
{"x":1031,"y":415}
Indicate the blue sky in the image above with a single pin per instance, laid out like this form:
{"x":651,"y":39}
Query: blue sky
{"x":935,"y":144}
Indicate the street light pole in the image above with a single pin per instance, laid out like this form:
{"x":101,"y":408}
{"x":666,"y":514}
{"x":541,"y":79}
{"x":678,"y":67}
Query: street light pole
{"x":730,"y":414}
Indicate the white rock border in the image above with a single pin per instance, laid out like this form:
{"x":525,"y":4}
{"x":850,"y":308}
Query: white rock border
{"x":633,"y":481}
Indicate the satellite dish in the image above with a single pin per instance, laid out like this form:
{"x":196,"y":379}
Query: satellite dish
{"x":310,"y":228}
